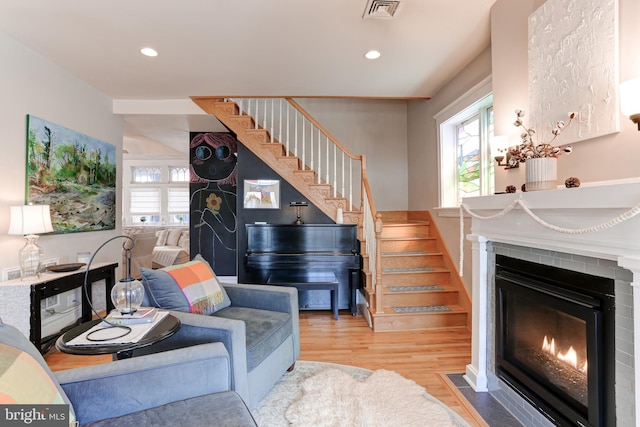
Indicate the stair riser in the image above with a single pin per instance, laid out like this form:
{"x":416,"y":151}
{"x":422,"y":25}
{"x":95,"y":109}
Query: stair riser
{"x":290,"y":163}
{"x":275,"y":149}
{"x":405,"y":231}
{"x":411,"y":299}
{"x":306,"y":176}
{"x":412,"y":261}
{"x":260,"y":136}
{"x":416,"y":279}
{"x":422,"y":245}
{"x":419,"y":321}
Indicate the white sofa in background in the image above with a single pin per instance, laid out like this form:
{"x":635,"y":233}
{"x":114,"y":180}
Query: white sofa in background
{"x":172,"y":247}
{"x":171,"y":244}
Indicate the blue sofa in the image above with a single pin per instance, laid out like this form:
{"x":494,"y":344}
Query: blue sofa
{"x":260,"y":330}
{"x":189,"y":386}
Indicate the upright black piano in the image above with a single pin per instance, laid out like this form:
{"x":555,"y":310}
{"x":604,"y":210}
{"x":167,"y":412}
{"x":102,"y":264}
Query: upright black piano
{"x":332,"y":248}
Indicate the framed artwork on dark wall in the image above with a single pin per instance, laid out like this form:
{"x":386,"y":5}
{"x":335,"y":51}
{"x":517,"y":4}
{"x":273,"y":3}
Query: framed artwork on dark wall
{"x":74,"y":174}
{"x":261,"y":194}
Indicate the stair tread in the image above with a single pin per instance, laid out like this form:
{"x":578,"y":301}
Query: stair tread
{"x":404,"y":223}
{"x":411,"y":253}
{"x":415,"y":288}
{"x":452,"y":310}
{"x":400,"y":238}
{"x":414,"y":270}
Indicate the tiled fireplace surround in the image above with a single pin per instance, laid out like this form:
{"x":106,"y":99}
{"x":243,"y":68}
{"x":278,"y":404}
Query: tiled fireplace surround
{"x":611,"y":252}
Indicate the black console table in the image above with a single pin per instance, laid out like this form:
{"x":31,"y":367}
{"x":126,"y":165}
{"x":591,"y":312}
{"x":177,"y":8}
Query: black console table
{"x":14,"y":295}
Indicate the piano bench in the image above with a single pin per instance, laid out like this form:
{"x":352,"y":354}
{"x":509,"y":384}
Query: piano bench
{"x":309,"y":281}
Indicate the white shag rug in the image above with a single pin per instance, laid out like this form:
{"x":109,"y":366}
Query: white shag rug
{"x":329,"y":395}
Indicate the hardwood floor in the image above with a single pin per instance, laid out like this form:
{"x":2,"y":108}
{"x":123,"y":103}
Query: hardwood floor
{"x":422,"y":356}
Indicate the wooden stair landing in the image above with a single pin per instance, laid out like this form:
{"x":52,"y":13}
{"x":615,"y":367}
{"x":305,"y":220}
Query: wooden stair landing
{"x":419,"y":289}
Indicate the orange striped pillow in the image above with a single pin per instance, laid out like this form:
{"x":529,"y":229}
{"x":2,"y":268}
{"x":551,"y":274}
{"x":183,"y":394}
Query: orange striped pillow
{"x":199,"y":286}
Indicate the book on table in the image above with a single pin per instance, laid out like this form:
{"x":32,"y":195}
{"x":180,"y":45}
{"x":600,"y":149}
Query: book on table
{"x":105,"y":334}
{"x":140,"y":313}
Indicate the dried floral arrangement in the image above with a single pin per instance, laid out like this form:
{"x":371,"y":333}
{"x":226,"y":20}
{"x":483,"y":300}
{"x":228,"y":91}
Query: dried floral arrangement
{"x":530,"y":149}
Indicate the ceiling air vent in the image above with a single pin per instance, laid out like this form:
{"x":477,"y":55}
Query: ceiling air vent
{"x":380,"y":9}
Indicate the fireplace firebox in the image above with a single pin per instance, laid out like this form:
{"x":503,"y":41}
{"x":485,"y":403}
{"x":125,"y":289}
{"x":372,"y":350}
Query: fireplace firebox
{"x":555,"y":340}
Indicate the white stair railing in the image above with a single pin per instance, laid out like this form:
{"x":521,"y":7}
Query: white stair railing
{"x":302,"y":136}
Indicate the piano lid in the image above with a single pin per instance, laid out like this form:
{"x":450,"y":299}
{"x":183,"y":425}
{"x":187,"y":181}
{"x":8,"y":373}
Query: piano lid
{"x":302,"y":239}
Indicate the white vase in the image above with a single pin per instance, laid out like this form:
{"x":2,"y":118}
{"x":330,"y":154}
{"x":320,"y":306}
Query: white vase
{"x":541,"y":173}
{"x":339,"y":217}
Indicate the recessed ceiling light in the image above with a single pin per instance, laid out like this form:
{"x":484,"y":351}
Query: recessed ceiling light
{"x":148,"y":51}
{"x":372,"y":54}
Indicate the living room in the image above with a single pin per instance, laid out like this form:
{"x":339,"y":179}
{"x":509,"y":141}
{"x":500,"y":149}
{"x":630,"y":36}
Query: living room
{"x":33,"y":84}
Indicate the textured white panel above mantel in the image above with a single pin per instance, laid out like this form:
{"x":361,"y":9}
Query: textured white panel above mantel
{"x":569,"y":208}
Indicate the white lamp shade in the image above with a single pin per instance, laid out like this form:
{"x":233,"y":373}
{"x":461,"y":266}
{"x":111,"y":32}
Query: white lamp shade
{"x":630,"y":97}
{"x":30,"y":219}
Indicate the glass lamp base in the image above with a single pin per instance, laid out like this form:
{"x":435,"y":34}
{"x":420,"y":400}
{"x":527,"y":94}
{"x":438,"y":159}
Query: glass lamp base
{"x":127,"y":296}
{"x":30,"y":256}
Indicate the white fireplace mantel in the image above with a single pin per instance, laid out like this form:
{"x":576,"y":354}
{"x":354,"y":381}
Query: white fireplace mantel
{"x":574,"y":208}
{"x":570,"y":208}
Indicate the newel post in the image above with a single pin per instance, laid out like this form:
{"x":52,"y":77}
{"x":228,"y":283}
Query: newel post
{"x":476,"y":372}
{"x":379,"y":288}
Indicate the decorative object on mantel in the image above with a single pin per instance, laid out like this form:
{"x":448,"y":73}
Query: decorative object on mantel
{"x":541,"y":173}
{"x":540,"y":158}
{"x":572,"y":182}
{"x":510,"y":189}
{"x":523,"y":188}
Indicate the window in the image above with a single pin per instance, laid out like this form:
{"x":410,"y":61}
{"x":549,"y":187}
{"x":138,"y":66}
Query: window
{"x":156,"y":194}
{"x":464,"y":131}
{"x":178,"y":174}
{"x":178,"y":206}
{"x":142,"y":174}
{"x":145,"y":205}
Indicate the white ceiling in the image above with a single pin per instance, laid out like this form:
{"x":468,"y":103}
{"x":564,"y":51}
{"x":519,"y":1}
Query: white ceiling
{"x":248,"y":47}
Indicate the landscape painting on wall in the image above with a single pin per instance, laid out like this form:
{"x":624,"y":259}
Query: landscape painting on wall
{"x":73,"y":173}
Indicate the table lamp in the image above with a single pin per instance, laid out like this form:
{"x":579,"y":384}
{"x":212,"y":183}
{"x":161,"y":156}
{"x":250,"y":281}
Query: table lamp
{"x":29,"y":221}
{"x":127,"y":295}
{"x":298,"y":206}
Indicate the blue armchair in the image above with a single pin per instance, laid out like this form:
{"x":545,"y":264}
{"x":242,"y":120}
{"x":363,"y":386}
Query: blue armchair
{"x":260,"y":330}
{"x":189,"y":386}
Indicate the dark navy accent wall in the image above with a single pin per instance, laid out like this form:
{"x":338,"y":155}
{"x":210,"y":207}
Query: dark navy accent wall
{"x":252,"y":167}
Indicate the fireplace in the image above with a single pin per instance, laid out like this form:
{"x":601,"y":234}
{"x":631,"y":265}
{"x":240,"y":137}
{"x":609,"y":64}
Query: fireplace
{"x":605,"y":243}
{"x":555,"y":332}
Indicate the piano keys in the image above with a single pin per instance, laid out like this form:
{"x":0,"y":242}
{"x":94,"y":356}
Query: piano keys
{"x":332,"y":248}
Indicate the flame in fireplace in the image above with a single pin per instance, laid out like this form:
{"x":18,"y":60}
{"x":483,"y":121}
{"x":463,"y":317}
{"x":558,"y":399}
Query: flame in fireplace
{"x":570,"y":357}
